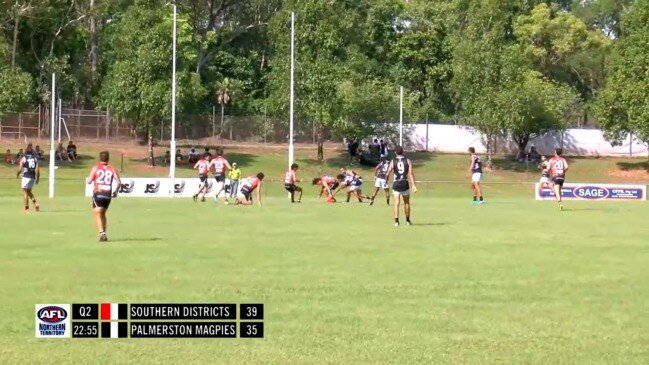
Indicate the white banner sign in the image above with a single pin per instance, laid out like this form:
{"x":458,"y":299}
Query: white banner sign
{"x":588,"y":191}
{"x":147,"y":187}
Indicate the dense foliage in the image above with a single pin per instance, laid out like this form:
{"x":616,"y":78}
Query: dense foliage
{"x":506,"y":67}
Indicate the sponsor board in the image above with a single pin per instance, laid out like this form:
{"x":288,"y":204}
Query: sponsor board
{"x":162,"y":187}
{"x":52,"y":320}
{"x":588,"y":191}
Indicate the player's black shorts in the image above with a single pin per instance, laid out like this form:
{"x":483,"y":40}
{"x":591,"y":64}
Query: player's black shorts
{"x":290,"y":187}
{"x":219,"y":178}
{"x":100,"y":200}
{"x":400,"y":186}
{"x":559,"y":180}
{"x":335,"y":185}
{"x":246,"y":193}
{"x":203,"y":177}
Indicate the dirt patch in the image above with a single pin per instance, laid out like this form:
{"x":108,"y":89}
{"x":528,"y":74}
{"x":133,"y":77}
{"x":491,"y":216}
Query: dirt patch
{"x":630,"y":176}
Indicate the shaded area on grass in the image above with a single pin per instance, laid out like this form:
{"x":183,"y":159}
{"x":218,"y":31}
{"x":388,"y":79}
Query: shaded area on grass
{"x":633,"y":166}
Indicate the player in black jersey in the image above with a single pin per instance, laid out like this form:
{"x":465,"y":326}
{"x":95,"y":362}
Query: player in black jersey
{"x":380,"y":179}
{"x":403,"y":178}
{"x":31,"y":174}
{"x":475,"y":169}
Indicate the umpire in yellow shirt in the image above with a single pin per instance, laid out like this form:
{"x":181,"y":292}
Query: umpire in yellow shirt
{"x":235,"y":176}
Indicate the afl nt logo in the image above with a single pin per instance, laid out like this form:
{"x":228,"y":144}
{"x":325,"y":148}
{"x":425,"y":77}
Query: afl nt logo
{"x":52,"y":321}
{"x":52,"y":314}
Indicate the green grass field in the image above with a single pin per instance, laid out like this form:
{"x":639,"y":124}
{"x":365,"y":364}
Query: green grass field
{"x":513,"y":281}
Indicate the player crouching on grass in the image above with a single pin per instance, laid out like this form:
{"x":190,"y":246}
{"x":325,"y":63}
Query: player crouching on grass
{"x":251,"y":184}
{"x":353,"y":184}
{"x":31,"y":174}
{"x":328,"y":184}
{"x":290,"y":178}
{"x":102,"y":176}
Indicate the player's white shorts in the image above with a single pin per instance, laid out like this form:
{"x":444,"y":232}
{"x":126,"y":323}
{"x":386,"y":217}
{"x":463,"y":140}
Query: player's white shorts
{"x":476,"y":177}
{"x":355,"y":187}
{"x":544,"y":180}
{"x":401,"y":193}
{"x":380,"y":183}
{"x":27,"y":183}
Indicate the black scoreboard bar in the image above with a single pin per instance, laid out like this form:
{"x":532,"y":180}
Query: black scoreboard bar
{"x":85,"y":311}
{"x":195,"y":329}
{"x":183,"y":311}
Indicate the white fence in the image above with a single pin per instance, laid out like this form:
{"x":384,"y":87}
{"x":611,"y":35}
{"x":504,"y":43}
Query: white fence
{"x":453,"y":138}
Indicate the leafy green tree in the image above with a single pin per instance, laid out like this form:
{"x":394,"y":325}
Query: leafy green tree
{"x":15,"y":85}
{"x":623,"y":105}
{"x":138,"y":83}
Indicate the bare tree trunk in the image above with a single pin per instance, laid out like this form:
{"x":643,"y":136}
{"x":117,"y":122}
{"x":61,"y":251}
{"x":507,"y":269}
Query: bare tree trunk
{"x":221,"y":129}
{"x":94,"y":41}
{"x":150,"y":137}
{"x":320,"y":145}
{"x":15,"y":41}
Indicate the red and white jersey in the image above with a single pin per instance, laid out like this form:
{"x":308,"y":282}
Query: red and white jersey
{"x":203,"y":166}
{"x":219,"y":165}
{"x":289,"y":177}
{"x":558,"y":166}
{"x":252,"y":182}
{"x":329,"y":180}
{"x":102,"y":176}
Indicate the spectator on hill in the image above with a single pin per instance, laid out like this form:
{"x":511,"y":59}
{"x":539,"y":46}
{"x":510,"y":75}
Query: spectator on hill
{"x":72,"y":151}
{"x":167,"y":157}
{"x":375,"y":149}
{"x":179,"y":157}
{"x":383,"y":148}
{"x":207,"y":152}
{"x":61,"y":153}
{"x":9,"y":158}
{"x":193,"y":155}
{"x":39,"y":152}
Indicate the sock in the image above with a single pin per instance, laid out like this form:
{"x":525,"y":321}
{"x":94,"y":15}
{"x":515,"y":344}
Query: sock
{"x":26,"y":207}
{"x":481,"y":198}
{"x":475,"y":198}
{"x":408,"y":219}
{"x":34,"y":201}
{"x":396,"y":220}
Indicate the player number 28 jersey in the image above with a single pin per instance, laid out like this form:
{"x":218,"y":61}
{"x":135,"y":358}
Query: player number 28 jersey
{"x":103,"y":177}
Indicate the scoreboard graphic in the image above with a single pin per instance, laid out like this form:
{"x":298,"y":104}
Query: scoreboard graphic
{"x":121,"y":320}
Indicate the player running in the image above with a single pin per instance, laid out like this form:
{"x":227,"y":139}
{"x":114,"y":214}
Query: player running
{"x":219,"y":165}
{"x":251,"y":184}
{"x":380,"y":179}
{"x":403,"y":178}
{"x":558,"y":167}
{"x":102,"y":176}
{"x":203,"y":166}
{"x":31,"y":174}
{"x":475,"y":169}
{"x":290,"y":178}
{"x":545,"y":181}
{"x":328,"y":184}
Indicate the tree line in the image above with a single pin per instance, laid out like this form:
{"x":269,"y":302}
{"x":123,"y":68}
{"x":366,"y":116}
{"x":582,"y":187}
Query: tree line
{"x":515,"y":68}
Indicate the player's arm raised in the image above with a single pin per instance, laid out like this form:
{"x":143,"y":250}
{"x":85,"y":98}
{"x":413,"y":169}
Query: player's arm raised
{"x":411,"y":177}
